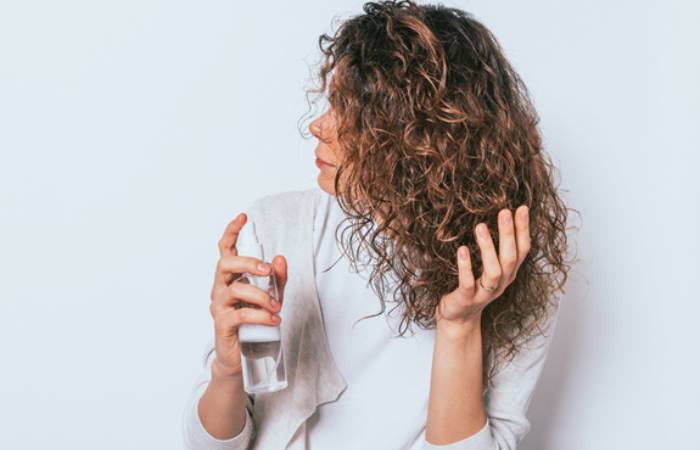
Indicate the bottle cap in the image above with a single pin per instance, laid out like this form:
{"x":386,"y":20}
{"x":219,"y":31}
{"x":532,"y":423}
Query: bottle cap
{"x":247,"y":243}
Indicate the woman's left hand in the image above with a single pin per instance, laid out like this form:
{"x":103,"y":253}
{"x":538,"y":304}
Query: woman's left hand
{"x":462,"y":307}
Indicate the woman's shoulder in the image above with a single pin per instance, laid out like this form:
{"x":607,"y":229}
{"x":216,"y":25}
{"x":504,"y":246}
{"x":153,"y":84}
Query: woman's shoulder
{"x":289,"y":203}
{"x":522,"y":372}
{"x":284,"y":215}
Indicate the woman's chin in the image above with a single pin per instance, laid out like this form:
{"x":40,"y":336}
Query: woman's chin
{"x":325,"y":184}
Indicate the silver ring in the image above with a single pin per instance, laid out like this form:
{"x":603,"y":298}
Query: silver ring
{"x":490,"y":289}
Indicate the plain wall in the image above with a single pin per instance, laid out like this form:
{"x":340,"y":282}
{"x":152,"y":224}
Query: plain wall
{"x":131,"y":132}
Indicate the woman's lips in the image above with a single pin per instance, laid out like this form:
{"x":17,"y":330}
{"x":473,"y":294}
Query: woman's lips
{"x":321,"y":164}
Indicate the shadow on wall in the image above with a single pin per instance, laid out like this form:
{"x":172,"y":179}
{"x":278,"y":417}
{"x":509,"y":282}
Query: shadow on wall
{"x":552,"y":392}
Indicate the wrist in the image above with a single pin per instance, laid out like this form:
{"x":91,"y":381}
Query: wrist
{"x":460,"y":330}
{"x":223,"y":372}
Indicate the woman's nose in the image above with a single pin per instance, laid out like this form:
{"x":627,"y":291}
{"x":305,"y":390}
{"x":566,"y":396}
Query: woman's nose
{"x":315,"y":128}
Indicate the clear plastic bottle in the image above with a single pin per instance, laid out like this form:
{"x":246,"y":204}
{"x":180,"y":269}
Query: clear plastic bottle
{"x":262,"y":355}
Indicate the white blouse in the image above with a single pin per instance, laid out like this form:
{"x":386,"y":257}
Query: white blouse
{"x":390,"y":373}
{"x":384,"y":405}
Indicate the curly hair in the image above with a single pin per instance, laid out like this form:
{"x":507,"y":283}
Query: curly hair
{"x":438,"y":133}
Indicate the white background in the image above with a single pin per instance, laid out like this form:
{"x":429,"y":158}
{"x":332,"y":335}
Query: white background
{"x":131,"y":132}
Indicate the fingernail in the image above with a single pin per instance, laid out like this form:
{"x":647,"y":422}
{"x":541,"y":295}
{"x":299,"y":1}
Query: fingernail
{"x":506,"y":218}
{"x":263,"y":266}
{"x":462,"y":253}
{"x":481,"y":229}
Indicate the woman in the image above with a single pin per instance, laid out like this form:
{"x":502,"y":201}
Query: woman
{"x":430,"y":154}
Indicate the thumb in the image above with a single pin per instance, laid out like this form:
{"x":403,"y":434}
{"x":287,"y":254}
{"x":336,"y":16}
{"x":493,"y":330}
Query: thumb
{"x":279,"y":268}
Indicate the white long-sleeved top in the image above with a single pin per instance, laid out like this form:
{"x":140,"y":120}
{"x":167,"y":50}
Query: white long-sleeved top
{"x":388,"y":377}
{"x":391,"y":373}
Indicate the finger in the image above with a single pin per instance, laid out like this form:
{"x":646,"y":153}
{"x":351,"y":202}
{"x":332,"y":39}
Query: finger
{"x":227,"y":321}
{"x":227,"y":243}
{"x":247,"y":293}
{"x":465,"y":274}
{"x":279,"y":268}
{"x":229,"y":266}
{"x":522,"y":231}
{"x":491,"y":273}
{"x":237,"y":295}
{"x":507,"y":247}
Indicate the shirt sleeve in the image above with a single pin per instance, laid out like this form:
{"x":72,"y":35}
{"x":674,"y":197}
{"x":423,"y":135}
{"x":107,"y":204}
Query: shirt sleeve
{"x":196,"y":437}
{"x":507,"y":401}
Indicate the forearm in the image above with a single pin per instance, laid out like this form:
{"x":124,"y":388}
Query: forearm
{"x":455,"y":408}
{"x":222,"y":405}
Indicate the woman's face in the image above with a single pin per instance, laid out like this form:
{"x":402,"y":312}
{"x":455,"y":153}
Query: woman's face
{"x":327,"y":151}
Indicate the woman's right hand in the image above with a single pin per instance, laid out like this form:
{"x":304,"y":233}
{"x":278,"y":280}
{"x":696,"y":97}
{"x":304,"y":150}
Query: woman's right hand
{"x":226,"y":297}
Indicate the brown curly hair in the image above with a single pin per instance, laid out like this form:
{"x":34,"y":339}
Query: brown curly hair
{"x":438,"y":133}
